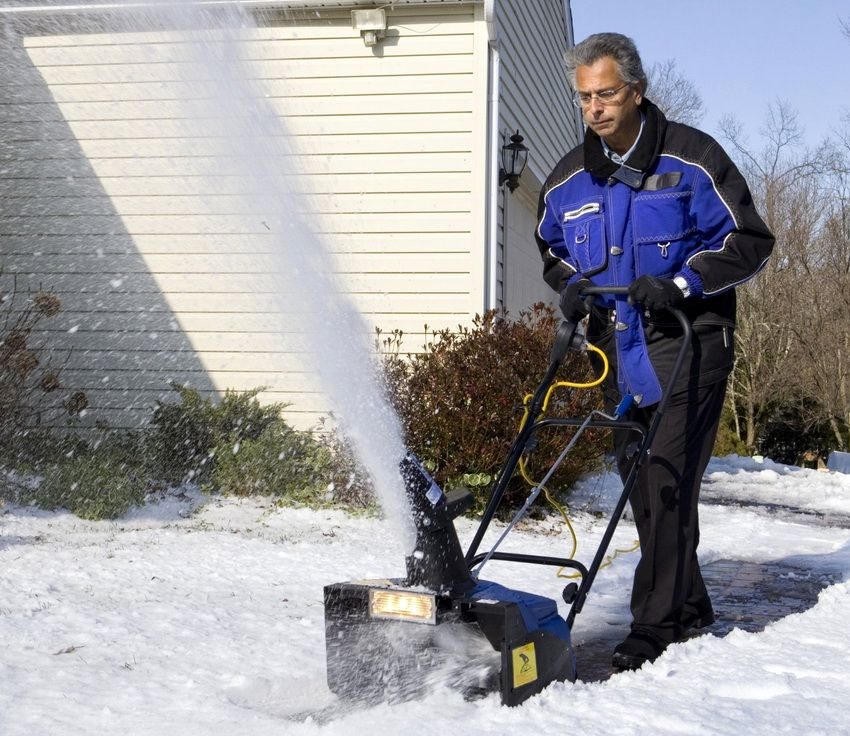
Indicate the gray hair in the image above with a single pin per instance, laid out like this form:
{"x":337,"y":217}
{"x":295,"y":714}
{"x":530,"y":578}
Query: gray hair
{"x":619,"y":47}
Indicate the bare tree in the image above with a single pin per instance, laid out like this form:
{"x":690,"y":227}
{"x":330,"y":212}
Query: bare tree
{"x":677,"y":96}
{"x":786,"y":181}
{"x":825,"y":345}
{"x":822,"y":337}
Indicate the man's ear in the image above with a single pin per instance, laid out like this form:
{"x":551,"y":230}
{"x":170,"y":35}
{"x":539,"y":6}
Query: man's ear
{"x":640,"y":91}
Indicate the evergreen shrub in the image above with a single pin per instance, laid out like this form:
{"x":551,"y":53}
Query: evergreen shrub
{"x":727,"y":441}
{"x":279,"y":462}
{"x":350,"y":483}
{"x":240,"y":447}
{"x":184,"y":436}
{"x":102,"y":482}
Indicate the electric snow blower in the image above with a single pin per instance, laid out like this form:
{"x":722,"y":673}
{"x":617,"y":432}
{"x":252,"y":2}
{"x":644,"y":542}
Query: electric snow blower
{"x":386,"y":638}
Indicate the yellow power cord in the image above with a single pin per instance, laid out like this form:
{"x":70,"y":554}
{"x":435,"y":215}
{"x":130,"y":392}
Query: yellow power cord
{"x":558,"y":507}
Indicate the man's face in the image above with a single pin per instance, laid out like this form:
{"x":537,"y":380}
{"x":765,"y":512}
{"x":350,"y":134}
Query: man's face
{"x":618,"y":120}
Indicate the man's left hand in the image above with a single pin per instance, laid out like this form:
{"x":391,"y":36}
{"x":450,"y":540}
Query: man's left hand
{"x":655,"y":293}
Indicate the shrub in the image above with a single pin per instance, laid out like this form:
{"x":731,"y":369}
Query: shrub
{"x":236,"y":447}
{"x":460,"y":403}
{"x":788,"y":435}
{"x":37,"y":448}
{"x":350,"y":483}
{"x":241,"y":447}
{"x":279,"y":462}
{"x":30,"y":385}
{"x":103,"y":482}
{"x":728,"y":442}
{"x":183,"y":437}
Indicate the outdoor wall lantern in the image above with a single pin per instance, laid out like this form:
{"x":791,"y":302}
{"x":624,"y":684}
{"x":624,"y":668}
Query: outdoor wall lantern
{"x":372,"y":24}
{"x":514,"y":158}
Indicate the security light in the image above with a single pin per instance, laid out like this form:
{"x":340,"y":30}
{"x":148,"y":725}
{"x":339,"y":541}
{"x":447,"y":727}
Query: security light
{"x":372,"y":24}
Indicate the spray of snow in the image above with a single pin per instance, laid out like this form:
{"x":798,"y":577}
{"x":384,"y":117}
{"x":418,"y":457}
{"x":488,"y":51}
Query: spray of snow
{"x":230,"y":106}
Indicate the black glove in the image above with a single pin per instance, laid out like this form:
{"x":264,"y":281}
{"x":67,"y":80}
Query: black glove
{"x":654,"y":293}
{"x":572,"y":302}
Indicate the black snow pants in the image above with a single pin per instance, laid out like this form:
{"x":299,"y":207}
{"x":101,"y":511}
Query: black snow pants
{"x":668,"y":591}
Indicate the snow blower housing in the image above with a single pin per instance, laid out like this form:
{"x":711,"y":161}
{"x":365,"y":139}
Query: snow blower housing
{"x":383,"y":637}
{"x":371,"y":650}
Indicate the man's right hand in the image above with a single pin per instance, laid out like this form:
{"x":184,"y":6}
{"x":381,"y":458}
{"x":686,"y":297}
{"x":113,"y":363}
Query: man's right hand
{"x":573,"y":306}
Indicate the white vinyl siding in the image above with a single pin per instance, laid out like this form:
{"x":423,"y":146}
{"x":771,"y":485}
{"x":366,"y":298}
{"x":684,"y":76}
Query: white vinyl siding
{"x":535,"y":100}
{"x":111,"y":197}
{"x":522,"y":279}
{"x":534,"y":88}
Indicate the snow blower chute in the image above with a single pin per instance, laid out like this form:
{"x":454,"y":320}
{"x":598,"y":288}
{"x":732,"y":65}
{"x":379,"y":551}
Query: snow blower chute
{"x":383,"y":638}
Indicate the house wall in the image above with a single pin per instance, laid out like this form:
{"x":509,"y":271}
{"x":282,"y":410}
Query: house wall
{"x":522,"y":272}
{"x":115,"y":195}
{"x":535,"y":100}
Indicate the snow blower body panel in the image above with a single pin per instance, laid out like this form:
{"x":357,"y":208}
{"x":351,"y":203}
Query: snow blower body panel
{"x":379,"y":634}
{"x":385,"y":638}
{"x":377,"y":654}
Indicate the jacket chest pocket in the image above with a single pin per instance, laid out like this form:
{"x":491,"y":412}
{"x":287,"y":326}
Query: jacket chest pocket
{"x":662,"y":229}
{"x":583,"y":225}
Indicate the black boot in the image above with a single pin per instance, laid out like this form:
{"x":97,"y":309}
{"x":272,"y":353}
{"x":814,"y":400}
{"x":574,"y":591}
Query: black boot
{"x":638,"y":648}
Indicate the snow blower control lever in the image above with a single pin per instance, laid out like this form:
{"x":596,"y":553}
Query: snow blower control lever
{"x":376,"y":644}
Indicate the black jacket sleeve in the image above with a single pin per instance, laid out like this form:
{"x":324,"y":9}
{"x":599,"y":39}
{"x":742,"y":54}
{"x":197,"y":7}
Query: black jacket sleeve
{"x":736,"y":241}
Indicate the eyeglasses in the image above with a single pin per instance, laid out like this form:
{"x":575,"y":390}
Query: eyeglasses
{"x":606,"y":97}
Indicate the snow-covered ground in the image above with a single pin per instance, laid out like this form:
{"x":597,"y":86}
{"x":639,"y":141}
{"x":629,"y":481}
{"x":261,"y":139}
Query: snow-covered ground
{"x":204,"y":616}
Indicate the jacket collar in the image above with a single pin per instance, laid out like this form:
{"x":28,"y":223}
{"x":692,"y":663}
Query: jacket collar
{"x":648,"y":148}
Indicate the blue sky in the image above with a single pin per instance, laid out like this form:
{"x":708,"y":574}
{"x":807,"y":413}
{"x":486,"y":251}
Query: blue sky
{"x":741,"y":54}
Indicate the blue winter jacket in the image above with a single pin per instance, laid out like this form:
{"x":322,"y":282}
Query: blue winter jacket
{"x":678,"y":207}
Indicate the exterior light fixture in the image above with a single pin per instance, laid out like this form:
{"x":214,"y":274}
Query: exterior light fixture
{"x":514,"y":158}
{"x":372,"y":24}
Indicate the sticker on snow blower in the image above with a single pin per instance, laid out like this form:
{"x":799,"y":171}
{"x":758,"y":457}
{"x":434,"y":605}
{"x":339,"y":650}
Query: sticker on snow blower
{"x":525,"y":664}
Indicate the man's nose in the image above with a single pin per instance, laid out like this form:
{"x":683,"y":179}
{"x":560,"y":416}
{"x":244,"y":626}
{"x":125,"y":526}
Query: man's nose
{"x":595,"y":106}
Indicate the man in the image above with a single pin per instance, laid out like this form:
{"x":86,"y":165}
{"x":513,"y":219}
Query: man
{"x":656,"y":206}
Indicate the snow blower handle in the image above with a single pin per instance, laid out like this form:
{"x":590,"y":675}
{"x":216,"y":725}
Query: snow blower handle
{"x":592,"y":291}
{"x":569,"y":336}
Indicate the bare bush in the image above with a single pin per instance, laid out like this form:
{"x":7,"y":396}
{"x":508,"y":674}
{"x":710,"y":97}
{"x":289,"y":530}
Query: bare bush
{"x":30,"y":380}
